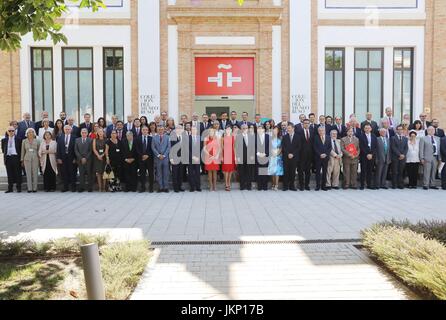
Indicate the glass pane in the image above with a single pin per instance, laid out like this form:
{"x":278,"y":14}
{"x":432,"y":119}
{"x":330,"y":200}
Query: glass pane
{"x":38,"y":98}
{"x":375,"y":92}
{"x":329,"y":93}
{"x":119,"y":92}
{"x":71,"y":98}
{"x":338,"y":59}
{"x":70,"y":58}
{"x":119,"y":59}
{"x":408,"y":59}
{"x":398,"y":59}
{"x":339,"y":90}
{"x":361,"y":59}
{"x":85,"y":58}
{"x":37,"y":58}
{"x":109,"y":94}
{"x":361,"y":94}
{"x":47,"y":59}
{"x":108,"y":58}
{"x":328,"y":59}
{"x":85,"y":92}
{"x":397,"y":92}
{"x":48,"y":92}
{"x":376,"y":59}
{"x":407,"y":92}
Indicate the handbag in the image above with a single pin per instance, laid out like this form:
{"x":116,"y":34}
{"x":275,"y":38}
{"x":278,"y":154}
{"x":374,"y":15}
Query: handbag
{"x":108,"y":173}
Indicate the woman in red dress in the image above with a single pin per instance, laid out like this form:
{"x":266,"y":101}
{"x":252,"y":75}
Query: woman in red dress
{"x":212,"y":150}
{"x":228,"y":166}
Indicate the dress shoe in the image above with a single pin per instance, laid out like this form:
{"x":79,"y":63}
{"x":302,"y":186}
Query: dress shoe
{"x":318,"y":189}
{"x":81,"y":190}
{"x":30,"y":192}
{"x":176,"y":191}
{"x":141,"y":191}
{"x":302,"y":189}
{"x":192,"y":190}
{"x":90,"y":190}
{"x":284,"y":189}
{"x":325,"y":189}
{"x":385,"y":188}
{"x":166,"y":190}
{"x":362,"y":188}
{"x":293,"y":189}
{"x":8,"y":191}
{"x":307,"y":188}
{"x":64,"y":190}
{"x":160,"y":191}
{"x":425,"y":188}
{"x":199,"y":190}
{"x":434,"y":188}
{"x":182,"y":190}
{"x":35,"y":191}
{"x":19,"y":190}
{"x":336,"y":188}
{"x":443,"y":188}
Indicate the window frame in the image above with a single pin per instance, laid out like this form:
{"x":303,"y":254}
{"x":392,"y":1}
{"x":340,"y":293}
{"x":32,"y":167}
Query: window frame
{"x":412,"y":69}
{"x":368,"y":69}
{"x":334,"y":49}
{"x":77,"y":69}
{"x":42,"y":69}
{"x":104,"y":70}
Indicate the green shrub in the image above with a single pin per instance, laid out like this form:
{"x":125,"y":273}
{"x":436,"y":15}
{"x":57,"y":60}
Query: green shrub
{"x":65,"y":246}
{"x":100,"y":239}
{"x":431,"y":229}
{"x":16,"y":248}
{"x":418,"y":261}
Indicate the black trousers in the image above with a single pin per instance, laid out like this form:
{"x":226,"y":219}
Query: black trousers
{"x":321,"y":166}
{"x":246,"y":174}
{"x":144,"y":168}
{"x":14,"y":171}
{"x":262,"y":178}
{"x":68,"y":173}
{"x":49,"y":177}
{"x":398,"y":167}
{"x":131,"y":176}
{"x":289,"y":177}
{"x":412,"y":172}
{"x":304,"y":174}
{"x":366,"y":172}
{"x":443,"y":177}
{"x":177,"y":176}
{"x":194,"y":176}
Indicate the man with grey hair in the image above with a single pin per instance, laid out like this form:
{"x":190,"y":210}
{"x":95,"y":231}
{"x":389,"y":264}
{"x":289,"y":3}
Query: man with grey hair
{"x":161,"y":150}
{"x":44,"y":115}
{"x":334,"y":164}
{"x":25,"y":125}
{"x":430,"y":156}
{"x":383,"y":159}
{"x":74,"y":129}
{"x":66,"y":158}
{"x":390,"y":118}
{"x":84,"y":150}
{"x":400,"y":147}
{"x":130,"y":156}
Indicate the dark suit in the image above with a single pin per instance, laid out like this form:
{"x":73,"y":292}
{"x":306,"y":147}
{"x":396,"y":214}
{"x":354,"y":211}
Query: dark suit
{"x":12,"y":163}
{"x":75,"y":131}
{"x":234,"y":123}
{"x":306,"y":159}
{"x":342,"y":131}
{"x":126,"y":129}
{"x":321,"y":165}
{"x":399,"y":146}
{"x":245,"y":156}
{"x":223,"y":125}
{"x":84,"y":151}
{"x":177,"y":164}
{"x":443,"y":158}
{"x":438,"y":132}
{"x":109,"y":130}
{"x":68,"y":166}
{"x":23,"y":126}
{"x":89,"y":127}
{"x":290,"y":165}
{"x":374,"y":125}
{"x":130,"y":169}
{"x":262,"y":162}
{"x":193,"y":168}
{"x":145,"y":165}
{"x":367,"y":165}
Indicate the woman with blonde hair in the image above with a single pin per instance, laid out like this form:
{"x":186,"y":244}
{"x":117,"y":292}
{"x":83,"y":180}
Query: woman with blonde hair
{"x":30,"y":159}
{"x":48,"y":162}
{"x":45,"y":128}
{"x":212,"y":152}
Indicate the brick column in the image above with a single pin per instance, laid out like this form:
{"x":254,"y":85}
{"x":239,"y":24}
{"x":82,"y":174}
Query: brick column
{"x":185,"y":65}
{"x":264,"y":70}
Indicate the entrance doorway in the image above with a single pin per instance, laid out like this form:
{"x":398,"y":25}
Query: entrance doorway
{"x":219,"y":107}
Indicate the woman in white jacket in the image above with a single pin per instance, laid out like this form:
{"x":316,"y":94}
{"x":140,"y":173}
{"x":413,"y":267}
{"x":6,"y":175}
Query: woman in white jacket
{"x":47,"y":154}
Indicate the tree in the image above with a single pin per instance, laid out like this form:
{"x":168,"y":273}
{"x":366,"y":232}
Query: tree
{"x":20,"y":17}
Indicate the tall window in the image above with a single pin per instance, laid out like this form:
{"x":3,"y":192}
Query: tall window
{"x":77,"y":81}
{"x":42,"y":81}
{"x":334,"y":82}
{"x":369,"y":82}
{"x":403,"y":82}
{"x":114,"y":82}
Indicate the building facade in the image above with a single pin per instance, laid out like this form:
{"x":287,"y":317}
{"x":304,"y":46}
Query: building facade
{"x":333,"y":57}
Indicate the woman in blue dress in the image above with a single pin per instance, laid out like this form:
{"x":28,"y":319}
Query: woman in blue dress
{"x":275,"y":168}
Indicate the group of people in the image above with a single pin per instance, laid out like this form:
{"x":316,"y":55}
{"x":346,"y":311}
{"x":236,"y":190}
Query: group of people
{"x":132,"y":156}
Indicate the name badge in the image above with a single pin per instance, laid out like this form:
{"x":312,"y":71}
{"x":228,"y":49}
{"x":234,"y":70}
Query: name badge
{"x":31,"y":150}
{"x":101,"y":150}
{"x":118,"y":150}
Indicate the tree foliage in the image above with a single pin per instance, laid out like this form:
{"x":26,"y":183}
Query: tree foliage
{"x":20,"y":17}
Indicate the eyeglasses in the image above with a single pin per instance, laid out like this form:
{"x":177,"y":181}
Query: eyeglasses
{"x":11,"y":130}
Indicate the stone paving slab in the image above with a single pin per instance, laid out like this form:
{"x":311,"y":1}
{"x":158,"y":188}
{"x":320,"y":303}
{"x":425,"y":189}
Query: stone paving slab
{"x":264,"y":272}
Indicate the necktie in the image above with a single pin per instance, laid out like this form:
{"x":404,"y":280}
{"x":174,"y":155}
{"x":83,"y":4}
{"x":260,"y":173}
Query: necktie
{"x":307,"y":134}
{"x":66,"y":141}
{"x":434,"y":146}
{"x":335,"y":147}
{"x":120,"y":135}
{"x":83,"y":141}
{"x":291,"y":138}
{"x":145,"y":143}
{"x":391,"y":122}
{"x":385,"y":145}
{"x":323,"y":139}
{"x":27,"y":123}
{"x":130,"y":146}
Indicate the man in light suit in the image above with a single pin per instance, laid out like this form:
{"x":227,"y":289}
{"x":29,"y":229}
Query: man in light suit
{"x":83,"y":150}
{"x":161,"y":150}
{"x":400,"y":147}
{"x":430,"y":155}
{"x":334,"y":164}
{"x":350,"y":160}
{"x":25,"y":125}
{"x":383,"y":159}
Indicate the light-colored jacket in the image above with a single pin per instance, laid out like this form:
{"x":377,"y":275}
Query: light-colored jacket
{"x":51,"y":152}
{"x":30,"y":151}
{"x":427,"y":149}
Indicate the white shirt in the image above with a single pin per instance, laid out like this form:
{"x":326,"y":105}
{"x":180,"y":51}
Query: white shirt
{"x":413,"y":155}
{"x":11,"y":147}
{"x":369,"y":139}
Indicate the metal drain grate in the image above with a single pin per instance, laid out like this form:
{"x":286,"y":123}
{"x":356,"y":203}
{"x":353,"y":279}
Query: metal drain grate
{"x":202,"y":243}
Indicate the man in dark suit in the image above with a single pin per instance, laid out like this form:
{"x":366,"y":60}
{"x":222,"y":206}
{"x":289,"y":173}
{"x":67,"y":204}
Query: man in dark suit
{"x":340,"y":128}
{"x":11,"y":148}
{"x":43,"y":115}
{"x":224,"y":122}
{"x":63,"y":117}
{"x":137,"y":132}
{"x":130,"y":155}
{"x":306,"y":156}
{"x":369,"y":120}
{"x":195,"y":146}
{"x":400,"y":147}
{"x":245,"y":120}
{"x":322,"y":150}
{"x":112,"y":126}
{"x":300,"y":126}
{"x":66,"y":158}
{"x":285,"y":121}
{"x":443,"y":159}
{"x":176,"y":144}
{"x":75,"y":131}
{"x":145,"y":159}
{"x":83,"y":150}
{"x":87,"y":124}
{"x":386,"y":125}
{"x":438,"y":131}
{"x":204,"y":124}
{"x":25,"y":125}
{"x":290,"y":150}
{"x":129,"y":126}
{"x":233,"y":121}
{"x":368,"y":144}
{"x":245,"y":157}
{"x":262,"y":156}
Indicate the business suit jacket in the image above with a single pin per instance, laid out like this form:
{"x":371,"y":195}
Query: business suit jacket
{"x":438,"y":132}
{"x":195,"y":149}
{"x":38,"y":125}
{"x":291,"y":147}
{"x":130,"y":154}
{"x":263,"y":148}
{"x":427,"y":149}
{"x":18,"y":147}
{"x":306,"y":156}
{"x":204,"y":126}
{"x":381,"y":156}
{"x":141,"y":151}
{"x":127,"y":129}
{"x":443,"y":149}
{"x":322,"y":148}
{"x":83,"y":150}
{"x":342,"y":131}
{"x":373,"y":123}
{"x":22,"y":127}
{"x":364,"y":146}
{"x":62,"y":150}
{"x":26,"y":154}
{"x":344,"y":143}
{"x":224,"y":125}
{"x":399,"y":147}
{"x":75,"y":131}
{"x":85,"y":126}
{"x":109,"y":130}
{"x":161,"y":148}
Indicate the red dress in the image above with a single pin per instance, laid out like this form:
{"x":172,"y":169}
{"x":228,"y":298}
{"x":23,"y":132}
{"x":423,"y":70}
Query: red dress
{"x":228,"y":154}
{"x":213,"y":148}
